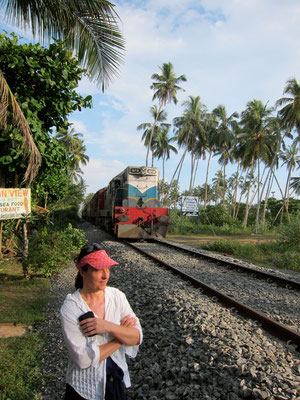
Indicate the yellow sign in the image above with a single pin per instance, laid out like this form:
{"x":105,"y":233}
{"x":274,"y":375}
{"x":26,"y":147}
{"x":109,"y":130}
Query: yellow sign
{"x":14,"y":203}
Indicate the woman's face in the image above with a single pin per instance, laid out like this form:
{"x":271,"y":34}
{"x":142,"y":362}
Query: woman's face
{"x":95,"y":279}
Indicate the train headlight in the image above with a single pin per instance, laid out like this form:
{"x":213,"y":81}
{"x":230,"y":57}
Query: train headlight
{"x":135,"y":170}
{"x":151,"y":171}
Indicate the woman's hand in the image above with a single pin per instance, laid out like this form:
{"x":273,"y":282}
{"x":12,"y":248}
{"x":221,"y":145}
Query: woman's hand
{"x":128,"y":321}
{"x":93,"y":326}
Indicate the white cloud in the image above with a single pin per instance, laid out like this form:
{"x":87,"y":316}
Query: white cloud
{"x":78,"y":126}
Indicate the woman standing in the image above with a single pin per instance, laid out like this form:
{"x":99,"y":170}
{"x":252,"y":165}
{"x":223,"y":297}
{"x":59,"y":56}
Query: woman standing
{"x":97,"y":342}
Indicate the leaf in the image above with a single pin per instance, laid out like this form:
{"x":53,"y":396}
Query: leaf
{"x":6,"y":160}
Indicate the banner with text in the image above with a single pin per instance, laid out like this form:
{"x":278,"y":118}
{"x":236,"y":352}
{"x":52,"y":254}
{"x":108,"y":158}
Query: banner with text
{"x":14,"y":203}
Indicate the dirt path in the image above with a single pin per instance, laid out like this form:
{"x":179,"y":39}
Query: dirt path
{"x":11,"y":330}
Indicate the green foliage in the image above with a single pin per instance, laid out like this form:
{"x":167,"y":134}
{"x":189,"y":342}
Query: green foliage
{"x":290,"y":233}
{"x":43,"y":81}
{"x":50,"y":251}
{"x":218,"y":216}
{"x":215,"y":219}
{"x":287,"y":259}
{"x":21,"y":377}
{"x":275,"y":254}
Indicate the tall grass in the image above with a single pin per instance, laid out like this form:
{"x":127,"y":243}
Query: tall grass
{"x":271,"y":254}
{"x":20,"y":377}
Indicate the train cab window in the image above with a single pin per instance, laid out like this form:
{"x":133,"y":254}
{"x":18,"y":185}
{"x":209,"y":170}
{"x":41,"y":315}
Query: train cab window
{"x":117,"y":183}
{"x":118,"y":193}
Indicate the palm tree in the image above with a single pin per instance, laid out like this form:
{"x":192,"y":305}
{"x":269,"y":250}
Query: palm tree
{"x":8,"y":102}
{"x":166,"y":87}
{"x":290,"y":113}
{"x":163,"y":147}
{"x":291,"y":160}
{"x":89,"y":27}
{"x":224,"y":137}
{"x":210,"y":125}
{"x":77,"y":157}
{"x":69,"y":138}
{"x":159,"y":117}
{"x":295,"y":184}
{"x":76,"y":151}
{"x":256,"y":143}
{"x":218,"y":186}
{"x":190,"y":132}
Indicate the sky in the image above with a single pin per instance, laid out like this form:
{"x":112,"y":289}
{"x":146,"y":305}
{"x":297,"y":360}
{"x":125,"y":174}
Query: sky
{"x":231,"y":52}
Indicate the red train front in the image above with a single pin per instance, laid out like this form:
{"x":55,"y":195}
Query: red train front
{"x":129,"y":205}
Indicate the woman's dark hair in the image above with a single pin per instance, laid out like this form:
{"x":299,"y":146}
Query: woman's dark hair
{"x":85,"y":250}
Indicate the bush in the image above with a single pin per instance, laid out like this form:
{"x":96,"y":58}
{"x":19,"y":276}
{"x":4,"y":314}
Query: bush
{"x":290,"y":232}
{"x":287,"y":260}
{"x":202,"y":224}
{"x":49,"y":251}
{"x":218,"y":216}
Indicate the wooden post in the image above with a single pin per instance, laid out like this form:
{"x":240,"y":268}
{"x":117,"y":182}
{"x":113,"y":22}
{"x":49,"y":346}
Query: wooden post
{"x":25,"y":251}
{"x":13,"y":235}
{"x":1,"y":228}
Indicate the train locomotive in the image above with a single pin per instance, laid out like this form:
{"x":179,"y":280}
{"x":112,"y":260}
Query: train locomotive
{"x":129,"y":205}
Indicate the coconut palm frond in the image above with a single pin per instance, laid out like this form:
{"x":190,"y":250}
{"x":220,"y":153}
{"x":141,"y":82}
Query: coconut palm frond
{"x":89,"y":27}
{"x":7,"y":99}
{"x":3,"y":102}
{"x":99,"y":46}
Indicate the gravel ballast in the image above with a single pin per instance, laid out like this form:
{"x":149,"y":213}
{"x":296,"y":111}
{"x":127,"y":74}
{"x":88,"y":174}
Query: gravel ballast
{"x":193,"y":347}
{"x":279,"y":303}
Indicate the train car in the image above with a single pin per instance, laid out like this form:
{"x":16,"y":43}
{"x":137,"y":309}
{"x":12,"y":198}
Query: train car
{"x":129,"y":205}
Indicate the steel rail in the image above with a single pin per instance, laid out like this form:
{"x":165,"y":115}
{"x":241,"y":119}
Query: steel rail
{"x":275,"y":328}
{"x":287,"y":283}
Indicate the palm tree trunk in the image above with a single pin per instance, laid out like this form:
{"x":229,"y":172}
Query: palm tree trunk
{"x":248,"y":196}
{"x":217,"y":190}
{"x":206,"y":180}
{"x":284,"y":203}
{"x":238,"y":207}
{"x":224,"y":185}
{"x":192,"y":172}
{"x":195,"y":172}
{"x":258,"y":198}
{"x":236,"y":188}
{"x":179,"y":164}
{"x":152,"y":131}
{"x":269,"y":179}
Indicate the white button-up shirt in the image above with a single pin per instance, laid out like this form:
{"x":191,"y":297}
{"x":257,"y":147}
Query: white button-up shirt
{"x":85,"y":373}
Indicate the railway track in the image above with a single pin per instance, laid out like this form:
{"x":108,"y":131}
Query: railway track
{"x":275,"y":307}
{"x":269,"y":277}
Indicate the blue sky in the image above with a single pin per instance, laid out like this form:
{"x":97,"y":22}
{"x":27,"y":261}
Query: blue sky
{"x":231,"y":51}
